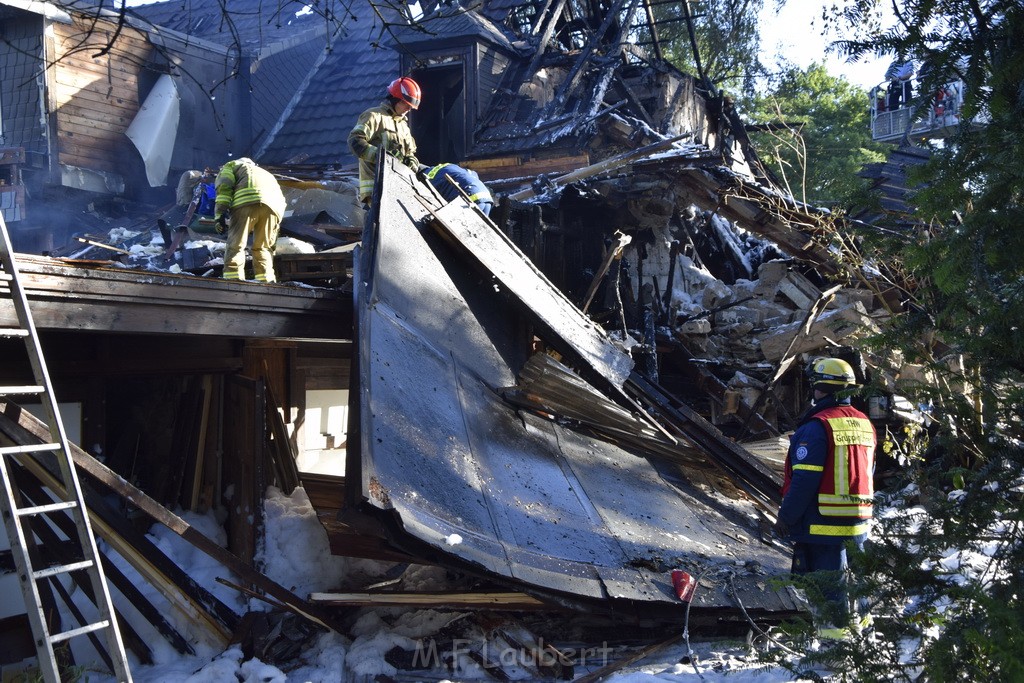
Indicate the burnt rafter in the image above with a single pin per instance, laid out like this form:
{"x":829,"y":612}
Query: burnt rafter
{"x":596,"y":40}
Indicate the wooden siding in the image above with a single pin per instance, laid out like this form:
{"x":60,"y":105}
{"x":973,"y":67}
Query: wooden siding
{"x":490,"y":69}
{"x":96,"y":96}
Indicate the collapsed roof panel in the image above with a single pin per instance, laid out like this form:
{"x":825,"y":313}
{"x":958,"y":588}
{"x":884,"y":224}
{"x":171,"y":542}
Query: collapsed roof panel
{"x":515,"y":494}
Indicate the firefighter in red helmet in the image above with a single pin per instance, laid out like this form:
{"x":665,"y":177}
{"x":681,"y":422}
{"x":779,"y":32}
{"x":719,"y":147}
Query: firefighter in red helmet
{"x":385,"y":125}
{"x":828,"y":489}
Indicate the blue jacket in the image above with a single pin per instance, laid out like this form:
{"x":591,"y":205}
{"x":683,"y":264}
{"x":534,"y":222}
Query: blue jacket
{"x":806,"y":463}
{"x":465,"y":178}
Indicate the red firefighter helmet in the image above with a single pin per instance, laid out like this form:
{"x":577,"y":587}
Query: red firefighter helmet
{"x":406,"y":90}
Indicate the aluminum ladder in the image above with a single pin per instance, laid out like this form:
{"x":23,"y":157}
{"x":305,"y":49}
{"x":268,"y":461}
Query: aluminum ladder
{"x":71,"y":503}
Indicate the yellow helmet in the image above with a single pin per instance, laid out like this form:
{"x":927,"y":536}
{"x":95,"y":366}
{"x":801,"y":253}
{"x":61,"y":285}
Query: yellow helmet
{"x":829,"y":374}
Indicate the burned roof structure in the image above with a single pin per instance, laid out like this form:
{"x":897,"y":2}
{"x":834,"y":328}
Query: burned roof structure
{"x":480,"y":449}
{"x":537,"y":398}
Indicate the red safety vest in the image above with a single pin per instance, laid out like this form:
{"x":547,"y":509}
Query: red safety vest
{"x":847,"y":487}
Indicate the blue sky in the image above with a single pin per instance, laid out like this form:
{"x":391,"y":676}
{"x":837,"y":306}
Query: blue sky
{"x":795,"y":32}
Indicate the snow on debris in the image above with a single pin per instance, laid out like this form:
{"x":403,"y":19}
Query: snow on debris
{"x":440,"y":645}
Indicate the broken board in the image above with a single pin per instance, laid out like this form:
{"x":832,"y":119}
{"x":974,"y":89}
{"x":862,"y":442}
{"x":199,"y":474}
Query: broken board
{"x":453,"y":470}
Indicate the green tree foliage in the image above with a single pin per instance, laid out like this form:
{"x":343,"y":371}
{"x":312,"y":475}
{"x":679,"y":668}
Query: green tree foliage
{"x":945,"y":578}
{"x":824,"y":138}
{"x":725,"y":32}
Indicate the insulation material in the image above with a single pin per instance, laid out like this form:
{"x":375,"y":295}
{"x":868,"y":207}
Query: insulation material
{"x":155,"y":128}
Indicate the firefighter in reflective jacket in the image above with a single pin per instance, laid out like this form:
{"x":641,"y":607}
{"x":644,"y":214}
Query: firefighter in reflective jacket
{"x":385,"y":126}
{"x":828,"y":489}
{"x":447,"y":179}
{"x":253,"y":200}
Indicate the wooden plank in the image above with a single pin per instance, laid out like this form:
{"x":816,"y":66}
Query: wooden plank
{"x":281,"y":451}
{"x":89,"y":34}
{"x":164,"y":575}
{"x":106,"y":299}
{"x":158,"y":513}
{"x":113,"y":67}
{"x":72,"y":73}
{"x":491,"y":601}
{"x":64,"y":95}
{"x":489,"y":164}
{"x":112,"y":116}
{"x":606,"y":165}
{"x":799,"y":290}
{"x":745,"y":471}
{"x":519,"y":167}
{"x":98,"y":128}
{"x":110,"y":87}
{"x":243,"y":456}
{"x":90,"y":143}
{"x":199,"y":467}
{"x":97,"y":159}
{"x":497,"y":256}
{"x":609,"y":669}
{"x":97,"y":164}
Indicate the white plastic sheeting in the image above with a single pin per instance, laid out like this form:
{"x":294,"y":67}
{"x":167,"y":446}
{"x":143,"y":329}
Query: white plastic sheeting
{"x":155,"y":128}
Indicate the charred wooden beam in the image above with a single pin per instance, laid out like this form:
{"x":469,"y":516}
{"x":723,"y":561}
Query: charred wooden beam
{"x":32,"y":425}
{"x":478,"y":600}
{"x":745,"y":470}
{"x":106,"y":299}
{"x":550,"y":21}
{"x":195,"y":602}
{"x":609,"y":669}
{"x":595,"y":40}
{"x":654,"y":29}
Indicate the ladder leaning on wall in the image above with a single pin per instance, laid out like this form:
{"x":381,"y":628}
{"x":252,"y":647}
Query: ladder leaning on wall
{"x":70,"y":501}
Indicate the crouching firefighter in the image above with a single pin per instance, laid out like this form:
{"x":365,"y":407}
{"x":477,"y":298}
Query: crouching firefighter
{"x":828,"y":488}
{"x":252,"y":198}
{"x":448,"y":179}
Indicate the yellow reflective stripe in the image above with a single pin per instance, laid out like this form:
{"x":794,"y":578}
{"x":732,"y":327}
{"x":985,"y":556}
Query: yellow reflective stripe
{"x":838,"y":530}
{"x":247,"y":195}
{"x":434,"y":171}
{"x":370,"y":153}
{"x":231,"y":274}
{"x":480,"y":195}
{"x":851,"y":431}
{"x":849,"y":498}
{"x":860,"y":511}
{"x":810,"y":468}
{"x":841,"y":470}
{"x":847,"y":431}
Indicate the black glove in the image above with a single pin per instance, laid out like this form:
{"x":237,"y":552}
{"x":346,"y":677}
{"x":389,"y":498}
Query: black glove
{"x":222,"y":223}
{"x":781,"y":529}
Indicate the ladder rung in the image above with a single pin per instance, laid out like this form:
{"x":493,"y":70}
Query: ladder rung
{"x":32,"y":448}
{"x":13,"y":332}
{"x":62,"y":569}
{"x":43,"y":509}
{"x":89,"y":628}
{"x":11,"y":391}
